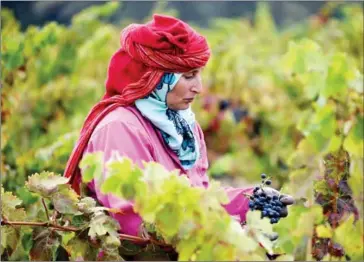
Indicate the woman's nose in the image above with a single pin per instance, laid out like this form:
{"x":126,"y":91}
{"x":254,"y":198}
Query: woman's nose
{"x":197,"y":86}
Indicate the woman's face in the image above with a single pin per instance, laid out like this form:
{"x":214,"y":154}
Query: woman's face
{"x":184,"y":92}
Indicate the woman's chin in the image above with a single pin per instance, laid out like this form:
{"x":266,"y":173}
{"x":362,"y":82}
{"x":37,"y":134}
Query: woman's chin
{"x":184,"y":106}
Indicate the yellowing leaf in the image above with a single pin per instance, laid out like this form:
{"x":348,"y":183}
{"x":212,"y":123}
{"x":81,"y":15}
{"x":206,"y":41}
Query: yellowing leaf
{"x":350,"y":236}
{"x":337,"y":79}
{"x":324,"y":231}
{"x":354,"y":142}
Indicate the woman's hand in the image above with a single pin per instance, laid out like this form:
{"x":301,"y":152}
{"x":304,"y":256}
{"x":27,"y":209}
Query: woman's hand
{"x":285,"y":199}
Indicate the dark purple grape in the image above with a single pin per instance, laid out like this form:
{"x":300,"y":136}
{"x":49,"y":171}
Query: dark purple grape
{"x":263,"y":194}
{"x":251,"y":204}
{"x":268,"y":182}
{"x":263,"y":176}
{"x":275,"y":197}
{"x":336,"y":250}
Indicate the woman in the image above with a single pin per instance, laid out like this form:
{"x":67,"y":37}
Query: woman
{"x":145,"y":113}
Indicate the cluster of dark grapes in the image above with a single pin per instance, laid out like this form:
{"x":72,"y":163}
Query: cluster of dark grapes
{"x":270,"y":207}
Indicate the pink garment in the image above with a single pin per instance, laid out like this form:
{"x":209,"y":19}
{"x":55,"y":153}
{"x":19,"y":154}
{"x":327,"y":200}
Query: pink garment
{"x":128,"y":132}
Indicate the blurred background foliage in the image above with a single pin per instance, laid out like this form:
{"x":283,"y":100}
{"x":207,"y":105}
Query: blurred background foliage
{"x":199,"y":12}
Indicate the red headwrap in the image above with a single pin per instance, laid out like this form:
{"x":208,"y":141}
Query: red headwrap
{"x":165,"y":44}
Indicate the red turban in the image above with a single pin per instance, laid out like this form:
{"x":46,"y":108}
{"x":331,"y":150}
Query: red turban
{"x":165,"y":44}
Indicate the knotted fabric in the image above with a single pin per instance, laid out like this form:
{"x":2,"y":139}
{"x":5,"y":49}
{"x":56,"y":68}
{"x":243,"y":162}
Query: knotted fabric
{"x":176,"y":126}
{"x":165,"y":44}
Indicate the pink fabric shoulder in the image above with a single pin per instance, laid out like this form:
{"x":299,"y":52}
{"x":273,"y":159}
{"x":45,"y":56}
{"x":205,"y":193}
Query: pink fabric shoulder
{"x":125,"y":130}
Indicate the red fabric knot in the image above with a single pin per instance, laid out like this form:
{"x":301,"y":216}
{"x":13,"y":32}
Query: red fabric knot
{"x":165,"y":44}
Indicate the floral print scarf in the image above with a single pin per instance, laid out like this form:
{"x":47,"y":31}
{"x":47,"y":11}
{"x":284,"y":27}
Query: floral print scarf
{"x":176,"y":127}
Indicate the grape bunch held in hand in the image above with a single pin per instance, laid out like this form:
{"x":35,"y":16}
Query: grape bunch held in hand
{"x":269,"y":201}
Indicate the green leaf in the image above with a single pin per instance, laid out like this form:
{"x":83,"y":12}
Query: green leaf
{"x":27,"y":197}
{"x":350,"y":236}
{"x":324,"y":231}
{"x":169,"y":219}
{"x":260,"y":227}
{"x":45,"y":183}
{"x":79,"y":221}
{"x":92,"y":166}
{"x":354,"y":142}
{"x":337,"y":79}
{"x":86,"y":205}
{"x":27,"y":241}
{"x":205,"y":252}
{"x":335,"y":143}
{"x":112,"y":185}
{"x":66,"y":237}
{"x":123,"y":177}
{"x":186,"y":249}
{"x":101,"y":224}
{"x":11,"y":236}
{"x":80,"y":250}
{"x":9,"y":204}
{"x":321,"y":187}
{"x":65,"y":200}
{"x":356,"y":178}
{"x":317,"y":141}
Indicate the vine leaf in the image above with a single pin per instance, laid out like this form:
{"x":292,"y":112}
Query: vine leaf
{"x":86,"y":204}
{"x":350,"y":236}
{"x":101,"y":224}
{"x":45,"y":183}
{"x":92,"y":166}
{"x":9,"y":204}
{"x":324,"y":231}
{"x":354,"y":142}
{"x":9,"y":239}
{"x":80,"y":250}
{"x":10,"y":235}
{"x":110,"y":249}
{"x":65,"y":200}
{"x":45,"y":245}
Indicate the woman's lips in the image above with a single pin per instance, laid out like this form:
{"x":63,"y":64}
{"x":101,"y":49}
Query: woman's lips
{"x":188,"y":100}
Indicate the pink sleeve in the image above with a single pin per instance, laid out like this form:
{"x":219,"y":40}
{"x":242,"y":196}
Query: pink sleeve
{"x":128,"y":141}
{"x":239,"y":204}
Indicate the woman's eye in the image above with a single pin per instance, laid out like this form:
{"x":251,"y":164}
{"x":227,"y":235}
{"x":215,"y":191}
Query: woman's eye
{"x":189,"y":76}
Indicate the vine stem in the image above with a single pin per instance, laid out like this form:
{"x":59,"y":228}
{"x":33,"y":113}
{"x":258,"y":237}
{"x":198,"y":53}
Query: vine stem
{"x":39,"y":224}
{"x":45,"y":207}
{"x":75,"y":229}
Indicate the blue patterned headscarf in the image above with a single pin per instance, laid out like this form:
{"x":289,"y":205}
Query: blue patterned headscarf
{"x":175,"y":126}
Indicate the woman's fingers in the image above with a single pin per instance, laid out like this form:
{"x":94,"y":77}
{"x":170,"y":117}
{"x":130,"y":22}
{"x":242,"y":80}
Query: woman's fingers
{"x":283,"y":212}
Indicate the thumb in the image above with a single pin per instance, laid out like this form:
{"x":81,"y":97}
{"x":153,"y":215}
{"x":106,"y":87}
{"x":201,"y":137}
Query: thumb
{"x":286,"y":199}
